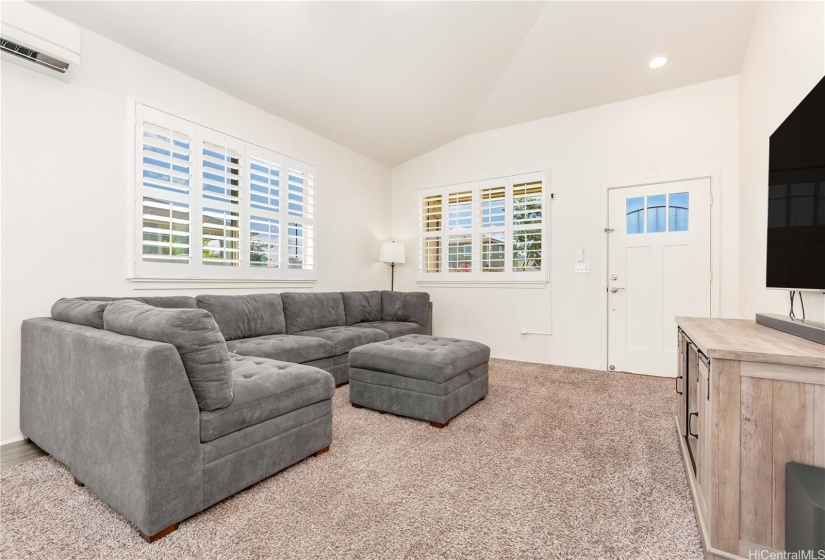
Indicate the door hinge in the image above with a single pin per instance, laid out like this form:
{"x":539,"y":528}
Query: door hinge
{"x":609,"y":230}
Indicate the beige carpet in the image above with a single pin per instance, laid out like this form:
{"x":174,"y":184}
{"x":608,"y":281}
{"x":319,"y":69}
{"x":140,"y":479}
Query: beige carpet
{"x":555,"y":463}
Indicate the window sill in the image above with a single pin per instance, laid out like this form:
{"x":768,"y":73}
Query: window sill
{"x":527,"y":285}
{"x":145,"y":283}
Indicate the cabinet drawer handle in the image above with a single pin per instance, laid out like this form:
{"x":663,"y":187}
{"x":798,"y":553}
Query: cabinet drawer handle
{"x":696,"y":414}
{"x":678,"y":392}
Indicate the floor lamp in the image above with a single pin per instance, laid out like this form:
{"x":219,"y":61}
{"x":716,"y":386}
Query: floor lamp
{"x":392,"y":253}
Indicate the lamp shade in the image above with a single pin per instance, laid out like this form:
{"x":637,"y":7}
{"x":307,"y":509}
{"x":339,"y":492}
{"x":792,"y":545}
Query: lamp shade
{"x":392,"y":252}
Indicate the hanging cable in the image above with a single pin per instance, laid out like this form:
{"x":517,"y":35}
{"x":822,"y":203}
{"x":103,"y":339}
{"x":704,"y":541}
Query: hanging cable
{"x":803,"y":305}
{"x":791,"y":313}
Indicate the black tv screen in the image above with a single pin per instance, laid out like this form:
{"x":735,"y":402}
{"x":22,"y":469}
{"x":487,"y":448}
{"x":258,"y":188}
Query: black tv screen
{"x":796,"y":198}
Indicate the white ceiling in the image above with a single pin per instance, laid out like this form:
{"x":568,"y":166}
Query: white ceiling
{"x":394,"y":80}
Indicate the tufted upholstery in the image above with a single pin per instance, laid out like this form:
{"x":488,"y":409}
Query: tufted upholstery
{"x":265,"y":389}
{"x":193,"y":332}
{"x":283,"y":347}
{"x":360,"y":307}
{"x":313,"y":310}
{"x":245,"y":316}
{"x":345,"y":339}
{"x":393,"y":328}
{"x":433,"y":358}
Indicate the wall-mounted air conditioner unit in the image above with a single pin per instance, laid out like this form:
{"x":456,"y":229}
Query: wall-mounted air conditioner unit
{"x":39,"y":40}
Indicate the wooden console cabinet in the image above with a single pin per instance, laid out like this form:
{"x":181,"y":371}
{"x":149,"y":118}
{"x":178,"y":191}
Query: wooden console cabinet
{"x":749,"y":399}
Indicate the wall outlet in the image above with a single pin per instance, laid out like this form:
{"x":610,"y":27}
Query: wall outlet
{"x":581,"y":267}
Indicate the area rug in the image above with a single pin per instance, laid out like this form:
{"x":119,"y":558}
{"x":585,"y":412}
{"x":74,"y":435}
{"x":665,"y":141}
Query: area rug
{"x":556,"y":463}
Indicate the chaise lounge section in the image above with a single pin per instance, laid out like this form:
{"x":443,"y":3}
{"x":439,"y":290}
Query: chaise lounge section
{"x":165,"y":406}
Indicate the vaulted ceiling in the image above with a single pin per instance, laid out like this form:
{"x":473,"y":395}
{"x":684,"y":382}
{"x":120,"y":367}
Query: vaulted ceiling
{"x":393,"y":80}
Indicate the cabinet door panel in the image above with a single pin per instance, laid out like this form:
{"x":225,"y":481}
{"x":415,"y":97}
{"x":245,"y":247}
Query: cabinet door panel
{"x":680,"y":386}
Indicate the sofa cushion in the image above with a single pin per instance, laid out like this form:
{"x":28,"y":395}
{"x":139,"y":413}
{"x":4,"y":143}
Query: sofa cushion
{"x":245,"y":316}
{"x":196,"y":336}
{"x":432,"y":358}
{"x":405,"y":306}
{"x":360,"y":307}
{"x":313,"y":310}
{"x":169,"y":302}
{"x":393,"y":328}
{"x":79,"y":311}
{"x":265,"y":389}
{"x":283,"y":347}
{"x":345,"y":339}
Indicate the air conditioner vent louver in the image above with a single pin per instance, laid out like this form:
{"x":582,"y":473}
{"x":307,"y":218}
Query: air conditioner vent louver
{"x":33,"y":56}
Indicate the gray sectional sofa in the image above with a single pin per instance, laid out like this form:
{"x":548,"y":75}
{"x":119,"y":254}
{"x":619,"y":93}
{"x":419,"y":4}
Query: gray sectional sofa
{"x":164,"y":406}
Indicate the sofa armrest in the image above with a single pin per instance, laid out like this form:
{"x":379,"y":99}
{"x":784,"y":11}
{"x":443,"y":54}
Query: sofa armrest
{"x":428,"y":328}
{"x":133,"y":424}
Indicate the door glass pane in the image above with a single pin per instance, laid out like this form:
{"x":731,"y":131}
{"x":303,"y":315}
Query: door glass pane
{"x":678,"y":211}
{"x":492,"y":251}
{"x":656,"y":215}
{"x":460,"y":253}
{"x":635,"y":215}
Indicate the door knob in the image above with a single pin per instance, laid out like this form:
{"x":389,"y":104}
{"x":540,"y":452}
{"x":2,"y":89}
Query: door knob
{"x":615,"y":289}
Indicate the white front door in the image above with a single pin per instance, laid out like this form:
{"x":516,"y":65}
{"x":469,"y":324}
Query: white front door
{"x":658,"y":269}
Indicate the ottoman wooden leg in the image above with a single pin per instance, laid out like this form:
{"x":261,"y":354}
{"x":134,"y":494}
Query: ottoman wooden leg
{"x":322,"y":451}
{"x":159,"y":535}
{"x":356,"y":405}
{"x":76,"y":481}
{"x":439,"y":425}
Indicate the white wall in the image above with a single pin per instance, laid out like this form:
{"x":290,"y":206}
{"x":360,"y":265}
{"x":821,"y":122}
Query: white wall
{"x":676,"y":133}
{"x":785,"y":58}
{"x":65,"y":187}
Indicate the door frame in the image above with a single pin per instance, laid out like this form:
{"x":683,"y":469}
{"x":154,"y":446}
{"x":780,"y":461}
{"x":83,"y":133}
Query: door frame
{"x":715,"y":247}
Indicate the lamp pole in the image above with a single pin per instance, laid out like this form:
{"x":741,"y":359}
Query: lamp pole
{"x":392,"y":277}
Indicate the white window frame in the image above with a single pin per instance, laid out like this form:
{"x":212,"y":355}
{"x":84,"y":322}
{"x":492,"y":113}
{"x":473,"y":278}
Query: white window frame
{"x":476,"y":230}
{"x":197,"y":269}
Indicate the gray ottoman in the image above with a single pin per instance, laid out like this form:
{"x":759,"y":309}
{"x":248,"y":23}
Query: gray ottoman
{"x":426,"y":377}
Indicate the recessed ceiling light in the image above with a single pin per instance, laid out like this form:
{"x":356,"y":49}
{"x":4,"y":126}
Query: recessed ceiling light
{"x":657,"y":62}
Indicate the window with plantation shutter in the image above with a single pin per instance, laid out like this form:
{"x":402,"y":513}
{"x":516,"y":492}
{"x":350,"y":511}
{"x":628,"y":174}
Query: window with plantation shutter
{"x":429,"y":256}
{"x":209,"y":205}
{"x":485,"y":231}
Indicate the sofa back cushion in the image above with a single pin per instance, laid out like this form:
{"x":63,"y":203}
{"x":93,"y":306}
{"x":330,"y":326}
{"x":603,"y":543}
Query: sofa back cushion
{"x":362,"y":307}
{"x":405,"y":306}
{"x":170,"y":302}
{"x":79,"y":311}
{"x":245,"y":316}
{"x":305,"y":311}
{"x":88,"y":310}
{"x":196,"y":336}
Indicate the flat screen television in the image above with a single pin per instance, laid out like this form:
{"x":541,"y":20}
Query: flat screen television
{"x":796,"y":198}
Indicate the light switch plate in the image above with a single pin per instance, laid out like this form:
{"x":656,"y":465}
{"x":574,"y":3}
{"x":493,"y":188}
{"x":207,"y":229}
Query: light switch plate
{"x":582,"y":267}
